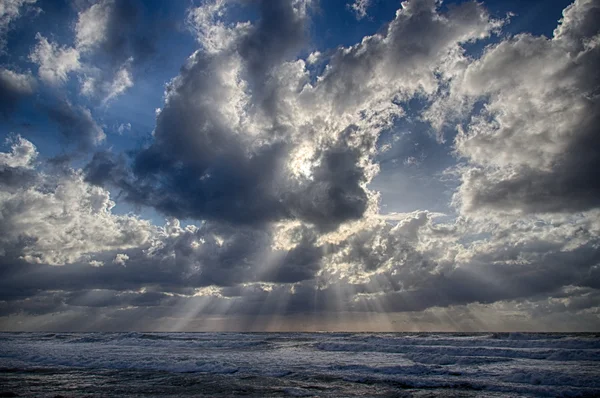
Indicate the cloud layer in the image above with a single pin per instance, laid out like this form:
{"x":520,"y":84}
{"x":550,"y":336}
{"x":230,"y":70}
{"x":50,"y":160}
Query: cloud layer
{"x":262,"y":158}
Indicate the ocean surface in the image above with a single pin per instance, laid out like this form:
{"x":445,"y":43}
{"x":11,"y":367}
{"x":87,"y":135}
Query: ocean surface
{"x":299,"y":364}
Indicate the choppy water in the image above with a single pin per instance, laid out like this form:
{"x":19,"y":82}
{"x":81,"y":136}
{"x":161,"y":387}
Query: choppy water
{"x":299,"y":364}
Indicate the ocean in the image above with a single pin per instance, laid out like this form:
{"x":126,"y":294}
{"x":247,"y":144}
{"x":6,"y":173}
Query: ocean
{"x":299,"y":364}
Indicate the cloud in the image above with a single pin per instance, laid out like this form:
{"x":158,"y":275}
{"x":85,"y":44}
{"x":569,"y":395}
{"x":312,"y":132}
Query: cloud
{"x":121,"y":259}
{"x":22,"y":154}
{"x":9,"y":11}
{"x":197,"y":127}
{"x":122,"y":81}
{"x":123,"y":127}
{"x":267,"y":143}
{"x":55,"y":62}
{"x":13,"y":87}
{"x":117,"y":29}
{"x":61,"y":210}
{"x":92,"y":25}
{"x":76,"y":124}
{"x":417,"y":264}
{"x":174,"y":259}
{"x":404,"y":60}
{"x":359,"y":8}
{"x":269,"y":162}
{"x":110,"y":38}
{"x":410,"y":265}
{"x":534,"y":146}
{"x":114,"y":36}
{"x":16,"y":166}
{"x":108,"y":87}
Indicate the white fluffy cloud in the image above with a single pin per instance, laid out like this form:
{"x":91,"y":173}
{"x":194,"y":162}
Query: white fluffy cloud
{"x":94,"y":85}
{"x":55,"y":62}
{"x":360,"y":7}
{"x":534,"y":145}
{"x":92,"y":23}
{"x":121,"y":259}
{"x":22,"y":154}
{"x":60,"y":218}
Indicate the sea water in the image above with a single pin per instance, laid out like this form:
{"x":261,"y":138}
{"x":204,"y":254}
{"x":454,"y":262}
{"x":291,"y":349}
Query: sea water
{"x":300,"y":364}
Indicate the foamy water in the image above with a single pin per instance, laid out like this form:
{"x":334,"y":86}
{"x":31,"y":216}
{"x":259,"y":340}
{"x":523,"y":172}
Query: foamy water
{"x":300,"y":364}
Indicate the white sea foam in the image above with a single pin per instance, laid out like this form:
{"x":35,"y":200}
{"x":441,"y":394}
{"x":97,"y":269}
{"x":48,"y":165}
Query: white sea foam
{"x":491,"y":352}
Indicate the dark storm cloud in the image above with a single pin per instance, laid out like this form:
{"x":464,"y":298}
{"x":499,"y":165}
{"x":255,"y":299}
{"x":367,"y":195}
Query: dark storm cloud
{"x":88,"y":300}
{"x":130,"y":32}
{"x":105,"y":166}
{"x":277,"y":36}
{"x":298,"y":264}
{"x":531,"y":263}
{"x":571,"y":185}
{"x":335,"y":194}
{"x":16,"y":177}
{"x":21,"y":280}
{"x":593,"y":277}
{"x":211,"y":255}
{"x":75,"y":123}
{"x":240,"y":300}
{"x":418,"y":280}
{"x":122,"y":253}
{"x":488,"y":282}
{"x":13,"y":88}
{"x":117,"y":30}
{"x":474,"y":283}
{"x":199,"y":167}
{"x":111,"y":298}
{"x":241,"y":190}
{"x":407,"y":278}
{"x":227,"y":188}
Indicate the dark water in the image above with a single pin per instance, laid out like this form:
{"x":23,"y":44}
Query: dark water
{"x":299,"y":364}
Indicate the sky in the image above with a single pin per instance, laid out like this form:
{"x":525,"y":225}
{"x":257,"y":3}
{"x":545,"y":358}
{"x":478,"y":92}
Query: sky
{"x":259,"y":165}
